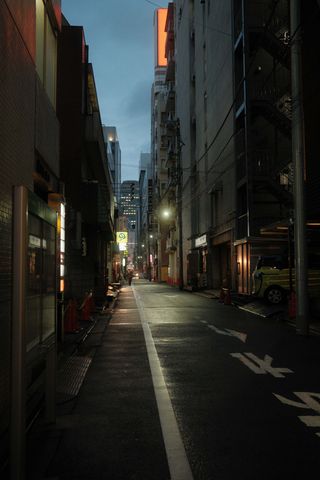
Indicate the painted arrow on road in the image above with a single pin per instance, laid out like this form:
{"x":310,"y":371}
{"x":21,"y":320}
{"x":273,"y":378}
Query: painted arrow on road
{"x":229,"y":333}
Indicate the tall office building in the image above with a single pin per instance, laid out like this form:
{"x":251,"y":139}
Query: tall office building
{"x":145,"y":176}
{"x":129,"y":202}
{"x":113,"y":150}
{"x":158,"y":256}
{"x":129,"y":206}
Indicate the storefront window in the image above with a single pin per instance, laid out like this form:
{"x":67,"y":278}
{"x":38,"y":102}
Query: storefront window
{"x":34,"y":282}
{"x":41,"y":286}
{"x":49,"y":281}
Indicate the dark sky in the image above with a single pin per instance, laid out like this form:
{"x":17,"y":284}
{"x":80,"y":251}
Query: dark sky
{"x":120,"y":38}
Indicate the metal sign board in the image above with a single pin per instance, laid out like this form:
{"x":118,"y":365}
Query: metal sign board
{"x":201,"y":241}
{"x":122,"y":237}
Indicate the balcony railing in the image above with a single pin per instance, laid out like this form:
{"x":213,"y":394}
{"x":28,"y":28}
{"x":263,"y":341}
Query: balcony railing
{"x":259,"y":15}
{"x":268,"y":163}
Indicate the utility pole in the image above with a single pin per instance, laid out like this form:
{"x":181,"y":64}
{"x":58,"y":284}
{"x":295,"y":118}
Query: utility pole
{"x":301,"y":272}
{"x":179,"y":205}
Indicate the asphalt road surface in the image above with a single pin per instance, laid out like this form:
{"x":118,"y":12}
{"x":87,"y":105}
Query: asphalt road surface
{"x":181,"y":387}
{"x":242,"y":393}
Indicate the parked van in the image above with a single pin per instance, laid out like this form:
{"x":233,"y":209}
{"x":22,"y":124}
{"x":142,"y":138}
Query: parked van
{"x":271,"y":278}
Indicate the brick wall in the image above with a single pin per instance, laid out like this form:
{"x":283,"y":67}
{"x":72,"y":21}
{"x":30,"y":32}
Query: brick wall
{"x":17,"y":119}
{"x":21,"y":102}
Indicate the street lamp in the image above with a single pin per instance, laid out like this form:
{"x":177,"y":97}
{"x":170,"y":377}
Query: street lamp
{"x":166,"y":213}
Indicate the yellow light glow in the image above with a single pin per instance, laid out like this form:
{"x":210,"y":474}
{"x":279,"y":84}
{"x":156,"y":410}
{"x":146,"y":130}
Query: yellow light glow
{"x":61,"y":285}
{"x":122,"y":237}
{"x":58,"y":224}
{"x":162,"y":37}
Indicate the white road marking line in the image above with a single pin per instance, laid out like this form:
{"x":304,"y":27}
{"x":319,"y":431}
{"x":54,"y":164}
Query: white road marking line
{"x":115,"y":323}
{"x":241,"y":336}
{"x":310,"y":420}
{"x":229,"y":333}
{"x":260,"y":367}
{"x":177,"y":458}
{"x":308,"y":401}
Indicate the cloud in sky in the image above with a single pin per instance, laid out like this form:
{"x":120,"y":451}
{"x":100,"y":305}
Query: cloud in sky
{"x":139,"y":100}
{"x":120,"y":38}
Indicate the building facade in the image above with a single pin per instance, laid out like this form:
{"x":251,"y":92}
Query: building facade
{"x":142,"y":229}
{"x":29,"y":131}
{"x":221,"y":139}
{"x":129,"y":208}
{"x":84,"y":170}
{"x":114,"y":158}
{"x":204,"y":89}
{"x":158,"y":256}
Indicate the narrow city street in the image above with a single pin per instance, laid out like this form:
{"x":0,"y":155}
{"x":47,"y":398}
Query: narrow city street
{"x":160,"y":239}
{"x":184,"y":387}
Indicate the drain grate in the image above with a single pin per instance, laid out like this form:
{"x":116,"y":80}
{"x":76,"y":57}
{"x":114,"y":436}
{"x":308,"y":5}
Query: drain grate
{"x":71,"y":376}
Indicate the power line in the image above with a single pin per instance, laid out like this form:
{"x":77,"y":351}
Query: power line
{"x":276,"y":66}
{"x":239,"y":86}
{"x":195,"y":22}
{"x":154,"y":4}
{"x":197,"y":194}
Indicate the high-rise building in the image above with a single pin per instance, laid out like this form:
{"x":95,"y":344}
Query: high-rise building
{"x":129,"y":208}
{"x":113,"y":150}
{"x":142,"y":231}
{"x":129,"y":202}
{"x":159,"y":179}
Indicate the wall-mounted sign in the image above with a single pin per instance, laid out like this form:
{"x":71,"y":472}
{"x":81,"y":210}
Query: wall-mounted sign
{"x":201,"y":241}
{"x":161,"y":37}
{"x":122,"y":237}
{"x":122,"y":247}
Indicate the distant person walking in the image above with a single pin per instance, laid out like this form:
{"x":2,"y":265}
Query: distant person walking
{"x":130,"y":275}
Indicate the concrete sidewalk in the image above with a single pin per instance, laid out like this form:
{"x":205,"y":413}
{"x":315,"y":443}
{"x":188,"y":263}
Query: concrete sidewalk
{"x":107,"y":424}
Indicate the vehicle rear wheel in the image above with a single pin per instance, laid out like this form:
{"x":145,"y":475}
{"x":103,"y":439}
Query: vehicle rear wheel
{"x":274,"y":295}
